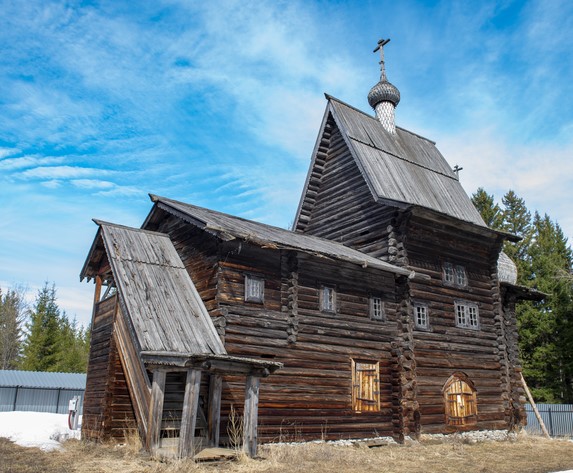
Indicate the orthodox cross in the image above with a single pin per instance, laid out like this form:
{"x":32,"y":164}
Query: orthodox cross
{"x":457,"y":170}
{"x":380,"y":46}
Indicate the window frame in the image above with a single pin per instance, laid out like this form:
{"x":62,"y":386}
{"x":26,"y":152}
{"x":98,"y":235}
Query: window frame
{"x":250,"y":280}
{"x":377,"y":311}
{"x":417,"y":325}
{"x":464,"y":312}
{"x":329,"y":308}
{"x":454,"y":275}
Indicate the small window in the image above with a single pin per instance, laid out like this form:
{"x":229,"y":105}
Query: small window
{"x":449,"y":273}
{"x":421,"y":316}
{"x":454,"y":275}
{"x":327,"y":299}
{"x":254,"y":289}
{"x":467,"y":315}
{"x":377,"y":309}
{"x":365,"y":386}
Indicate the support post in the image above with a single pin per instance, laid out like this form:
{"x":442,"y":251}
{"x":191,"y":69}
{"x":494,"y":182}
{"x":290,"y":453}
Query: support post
{"x":214,"y":421}
{"x":532,"y":402}
{"x":189,"y":415}
{"x":250,"y":415}
{"x":156,"y":410}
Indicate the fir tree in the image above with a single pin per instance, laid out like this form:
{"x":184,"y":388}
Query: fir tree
{"x":12,"y":305}
{"x":489,"y":210}
{"x":41,"y":347}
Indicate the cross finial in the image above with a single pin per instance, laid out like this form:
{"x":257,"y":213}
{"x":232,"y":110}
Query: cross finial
{"x":380,"y":46}
{"x":457,"y":170}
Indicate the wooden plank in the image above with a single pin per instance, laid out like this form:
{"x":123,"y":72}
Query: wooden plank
{"x":189,"y":415}
{"x":250,"y":416}
{"x":214,"y":416}
{"x":156,"y":410}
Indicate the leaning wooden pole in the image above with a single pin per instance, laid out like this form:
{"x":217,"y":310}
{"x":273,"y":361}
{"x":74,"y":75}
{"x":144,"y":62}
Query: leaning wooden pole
{"x":532,"y":402}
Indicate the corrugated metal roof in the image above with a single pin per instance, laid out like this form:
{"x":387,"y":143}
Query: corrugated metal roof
{"x":403,"y":167}
{"x":266,"y":235}
{"x":162,"y":302}
{"x":40,"y":379}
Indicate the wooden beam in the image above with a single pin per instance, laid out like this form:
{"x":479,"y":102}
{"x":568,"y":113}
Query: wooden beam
{"x":537,"y":414}
{"x":250,"y":416}
{"x":189,"y":415}
{"x":215,"y":389}
{"x":156,"y":410}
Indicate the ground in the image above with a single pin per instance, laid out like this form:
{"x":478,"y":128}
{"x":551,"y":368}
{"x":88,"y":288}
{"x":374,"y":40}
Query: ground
{"x":526,"y":454}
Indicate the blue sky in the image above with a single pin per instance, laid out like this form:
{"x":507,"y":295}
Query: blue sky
{"x":218,"y":104}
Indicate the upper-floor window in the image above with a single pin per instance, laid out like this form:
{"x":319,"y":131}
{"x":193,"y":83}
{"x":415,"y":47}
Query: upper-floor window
{"x":421,"y":318}
{"x":377,"y":309}
{"x":327,"y":299}
{"x":454,"y":275}
{"x":254,"y":288}
{"x":467,"y":315}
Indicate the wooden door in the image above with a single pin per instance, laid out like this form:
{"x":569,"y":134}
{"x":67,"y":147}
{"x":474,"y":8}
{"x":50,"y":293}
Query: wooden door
{"x":365,"y":386}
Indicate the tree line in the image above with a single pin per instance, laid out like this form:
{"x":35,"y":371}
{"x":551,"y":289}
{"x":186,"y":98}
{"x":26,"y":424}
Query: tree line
{"x":544,"y":261}
{"x":40,"y":337}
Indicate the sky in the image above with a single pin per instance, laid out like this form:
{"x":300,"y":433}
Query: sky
{"x":219,"y":104}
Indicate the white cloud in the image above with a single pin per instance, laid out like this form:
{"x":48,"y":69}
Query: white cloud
{"x":64,"y":172}
{"x":29,"y":161}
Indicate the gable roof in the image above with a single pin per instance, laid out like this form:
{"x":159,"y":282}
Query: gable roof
{"x":401,"y":169}
{"x":161,"y":301}
{"x":228,"y":227}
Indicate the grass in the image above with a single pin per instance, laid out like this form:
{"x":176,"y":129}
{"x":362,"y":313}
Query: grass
{"x":525,"y":455}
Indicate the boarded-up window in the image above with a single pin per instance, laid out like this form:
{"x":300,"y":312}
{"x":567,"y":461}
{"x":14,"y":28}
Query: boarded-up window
{"x":461,"y":401}
{"x":365,"y":386}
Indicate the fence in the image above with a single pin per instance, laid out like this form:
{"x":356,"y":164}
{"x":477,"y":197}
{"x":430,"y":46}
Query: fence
{"x":18,"y":398}
{"x":558,"y":419}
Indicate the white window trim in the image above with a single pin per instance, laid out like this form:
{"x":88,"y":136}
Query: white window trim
{"x":417,"y":324}
{"x":377,"y":305}
{"x":250,"y":282}
{"x":327,"y":304}
{"x":463,"y":315}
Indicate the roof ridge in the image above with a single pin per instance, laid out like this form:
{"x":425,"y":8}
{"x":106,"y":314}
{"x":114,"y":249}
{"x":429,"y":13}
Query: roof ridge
{"x":330,"y":97}
{"x":127,"y":227}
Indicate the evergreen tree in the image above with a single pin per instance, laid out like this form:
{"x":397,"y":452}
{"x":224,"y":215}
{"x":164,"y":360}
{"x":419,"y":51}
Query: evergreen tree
{"x":516,"y":219}
{"x":12,"y":306}
{"x":41,"y":347}
{"x":73,"y":347}
{"x":489,"y":210}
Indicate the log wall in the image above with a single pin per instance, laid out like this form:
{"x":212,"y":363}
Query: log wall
{"x":444,"y":348}
{"x":338,"y":204}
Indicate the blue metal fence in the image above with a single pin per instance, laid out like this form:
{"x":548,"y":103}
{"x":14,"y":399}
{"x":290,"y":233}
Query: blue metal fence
{"x":558,"y":419}
{"x":17,"y":398}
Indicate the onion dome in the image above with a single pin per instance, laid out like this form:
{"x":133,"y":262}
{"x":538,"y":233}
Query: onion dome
{"x":383,"y":91}
{"x":506,"y":269}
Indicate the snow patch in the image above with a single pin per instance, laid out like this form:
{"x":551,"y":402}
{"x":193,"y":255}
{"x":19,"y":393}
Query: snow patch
{"x":36,"y":429}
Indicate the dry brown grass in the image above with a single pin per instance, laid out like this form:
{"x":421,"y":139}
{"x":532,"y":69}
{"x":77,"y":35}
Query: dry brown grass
{"x":526,"y":455}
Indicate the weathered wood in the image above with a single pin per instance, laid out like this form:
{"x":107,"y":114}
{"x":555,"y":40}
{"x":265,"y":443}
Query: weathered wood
{"x":189,"y":415}
{"x":250,"y":416}
{"x":214,"y":416}
{"x":156,"y":410}
{"x":532,"y":402}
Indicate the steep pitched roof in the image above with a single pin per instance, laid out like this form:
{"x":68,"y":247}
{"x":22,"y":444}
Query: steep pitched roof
{"x":401,"y":169}
{"x":228,"y":227}
{"x":160,"y":299}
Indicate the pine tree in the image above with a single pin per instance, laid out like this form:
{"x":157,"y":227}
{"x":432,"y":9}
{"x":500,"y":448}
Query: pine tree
{"x":516,"y":219}
{"x":12,"y":306}
{"x":41,"y":346}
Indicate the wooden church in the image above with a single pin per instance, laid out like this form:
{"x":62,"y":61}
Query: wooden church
{"x":388,"y":310}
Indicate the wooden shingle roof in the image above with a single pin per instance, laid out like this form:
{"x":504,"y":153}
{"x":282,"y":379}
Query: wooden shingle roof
{"x":228,"y":227}
{"x":403,"y":169}
{"x":160,"y":299}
